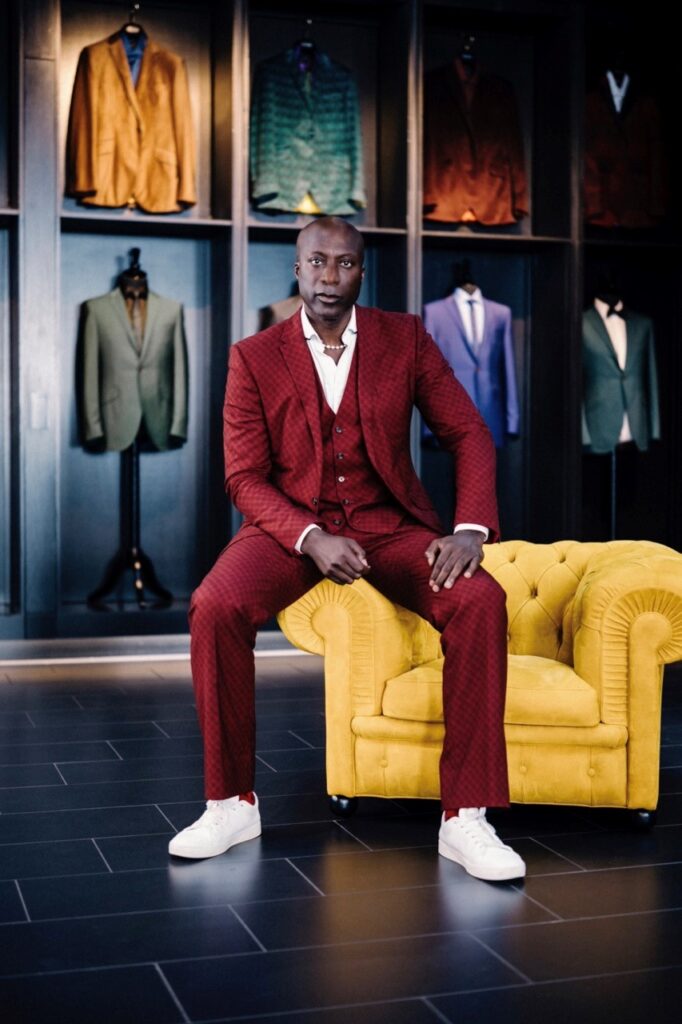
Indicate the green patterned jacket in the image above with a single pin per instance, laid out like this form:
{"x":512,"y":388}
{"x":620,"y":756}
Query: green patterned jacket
{"x":305,"y":136}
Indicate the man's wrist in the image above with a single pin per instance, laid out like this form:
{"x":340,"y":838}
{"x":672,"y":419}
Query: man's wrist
{"x":298,"y":546}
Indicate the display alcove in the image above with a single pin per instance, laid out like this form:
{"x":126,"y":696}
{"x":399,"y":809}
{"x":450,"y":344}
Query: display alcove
{"x":226,"y":260}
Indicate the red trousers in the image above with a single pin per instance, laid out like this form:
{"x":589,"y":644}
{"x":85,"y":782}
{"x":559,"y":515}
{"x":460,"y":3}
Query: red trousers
{"x":255,"y":577}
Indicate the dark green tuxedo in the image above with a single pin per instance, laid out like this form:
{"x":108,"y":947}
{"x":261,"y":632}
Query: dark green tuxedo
{"x":609,"y":392}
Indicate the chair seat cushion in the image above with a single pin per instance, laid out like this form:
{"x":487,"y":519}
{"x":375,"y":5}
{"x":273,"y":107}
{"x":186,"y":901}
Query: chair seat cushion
{"x":540,"y":691}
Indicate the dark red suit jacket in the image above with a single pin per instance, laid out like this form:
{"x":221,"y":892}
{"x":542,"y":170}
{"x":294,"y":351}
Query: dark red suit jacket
{"x":273,"y":438}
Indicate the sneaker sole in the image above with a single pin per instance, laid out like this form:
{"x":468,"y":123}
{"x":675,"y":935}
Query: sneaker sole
{"x":252,"y":832}
{"x":500,"y":875}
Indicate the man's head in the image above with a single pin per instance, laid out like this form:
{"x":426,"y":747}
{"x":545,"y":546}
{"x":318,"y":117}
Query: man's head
{"x":329,"y":267}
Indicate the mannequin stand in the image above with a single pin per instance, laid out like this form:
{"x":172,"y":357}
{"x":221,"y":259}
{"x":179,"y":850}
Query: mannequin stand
{"x":130,"y":557}
{"x":613,"y":496}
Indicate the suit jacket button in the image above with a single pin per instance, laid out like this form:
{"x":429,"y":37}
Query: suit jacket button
{"x":339,"y":430}
{"x":337,"y":522}
{"x":314,"y":501}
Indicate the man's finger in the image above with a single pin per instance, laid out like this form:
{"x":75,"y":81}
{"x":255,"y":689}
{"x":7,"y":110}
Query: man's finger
{"x":432,"y":551}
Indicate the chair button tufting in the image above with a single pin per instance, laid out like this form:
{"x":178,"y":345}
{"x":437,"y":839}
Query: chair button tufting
{"x":523,"y":769}
{"x":591,"y":771}
{"x":383,"y":762}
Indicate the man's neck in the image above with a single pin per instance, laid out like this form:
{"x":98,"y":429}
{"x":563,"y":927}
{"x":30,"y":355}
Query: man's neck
{"x":331,"y":329}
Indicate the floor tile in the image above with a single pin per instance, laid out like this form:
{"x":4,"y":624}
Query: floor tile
{"x":360,"y":972}
{"x":137,"y":769}
{"x":36,"y":860}
{"x":628,"y":999}
{"x":597,"y":893}
{"x":304,"y":759}
{"x":116,"y":996}
{"x":671,"y":780}
{"x":123,"y":939}
{"x":456,"y":903}
{"x":125,"y":712}
{"x":29,"y":775}
{"x":100,"y":794}
{"x":671,"y":756}
{"x":10,"y":903}
{"x":158,"y":746}
{"x":566,"y":949}
{"x":79,"y":733}
{"x":368,"y":871}
{"x":217,"y":881}
{"x":408,"y":1011}
{"x":54,"y":825}
{"x":616,"y":849}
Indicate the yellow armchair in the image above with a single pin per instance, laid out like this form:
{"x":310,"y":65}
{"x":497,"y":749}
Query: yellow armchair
{"x":590,"y":628}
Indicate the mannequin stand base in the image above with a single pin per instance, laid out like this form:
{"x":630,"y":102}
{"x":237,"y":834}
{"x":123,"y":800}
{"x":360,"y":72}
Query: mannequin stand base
{"x":135,"y":561}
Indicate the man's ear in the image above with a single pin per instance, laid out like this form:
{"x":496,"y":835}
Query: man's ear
{"x":297,"y":267}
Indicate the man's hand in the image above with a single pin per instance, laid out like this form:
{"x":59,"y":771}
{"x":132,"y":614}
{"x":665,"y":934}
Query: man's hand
{"x":340,"y":559}
{"x":449,"y":557}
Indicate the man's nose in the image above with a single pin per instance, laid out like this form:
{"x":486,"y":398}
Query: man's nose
{"x":331,"y":273}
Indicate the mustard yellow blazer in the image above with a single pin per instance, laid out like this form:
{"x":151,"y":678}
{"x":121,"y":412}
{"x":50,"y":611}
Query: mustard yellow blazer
{"x":131,"y":144}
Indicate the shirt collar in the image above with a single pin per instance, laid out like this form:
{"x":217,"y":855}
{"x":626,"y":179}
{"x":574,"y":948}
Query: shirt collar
{"x":603,"y":307}
{"x":311,"y":334}
{"x":462,"y":296}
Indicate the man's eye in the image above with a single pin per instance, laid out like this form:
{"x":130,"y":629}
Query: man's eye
{"x":346,"y":263}
{"x":315,"y":260}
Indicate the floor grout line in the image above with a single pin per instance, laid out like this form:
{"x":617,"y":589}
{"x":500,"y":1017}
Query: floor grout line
{"x":163,"y":731}
{"x":498,"y":956}
{"x":181,"y":1009}
{"x":111,"y":745}
{"x":246,"y":928}
{"x":263,"y":761}
{"x":109,"y":867}
{"x":435,"y":1011}
{"x":296,"y":736}
{"x":304,"y":876}
{"x":56,"y":768}
{"x":348,"y":832}
{"x":23,"y":901}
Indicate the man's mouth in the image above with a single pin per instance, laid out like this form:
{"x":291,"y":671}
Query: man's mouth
{"x":328,"y":298}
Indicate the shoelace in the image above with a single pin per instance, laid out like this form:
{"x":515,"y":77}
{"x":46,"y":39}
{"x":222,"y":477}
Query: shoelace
{"x":212,"y":819}
{"x":480,"y":831}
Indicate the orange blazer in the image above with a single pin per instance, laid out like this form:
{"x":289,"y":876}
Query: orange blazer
{"x":474,"y":166}
{"x":126,"y":144}
{"x":273,"y":437}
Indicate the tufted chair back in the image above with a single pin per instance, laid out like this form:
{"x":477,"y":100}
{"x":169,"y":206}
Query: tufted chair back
{"x":541,"y":582}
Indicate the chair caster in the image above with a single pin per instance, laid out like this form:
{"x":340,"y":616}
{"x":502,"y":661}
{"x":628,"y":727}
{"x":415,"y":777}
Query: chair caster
{"x":343,"y":806}
{"x":643,"y":821}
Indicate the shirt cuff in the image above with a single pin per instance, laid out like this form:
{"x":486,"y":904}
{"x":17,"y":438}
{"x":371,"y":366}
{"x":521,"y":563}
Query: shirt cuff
{"x":473,"y":526}
{"x":299,"y":542}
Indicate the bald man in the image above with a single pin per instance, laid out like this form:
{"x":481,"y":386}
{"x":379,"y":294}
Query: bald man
{"x":316,"y":432}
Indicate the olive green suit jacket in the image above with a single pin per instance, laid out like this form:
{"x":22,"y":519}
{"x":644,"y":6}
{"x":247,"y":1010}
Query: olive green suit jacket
{"x":609,"y":392}
{"x":123,"y":387}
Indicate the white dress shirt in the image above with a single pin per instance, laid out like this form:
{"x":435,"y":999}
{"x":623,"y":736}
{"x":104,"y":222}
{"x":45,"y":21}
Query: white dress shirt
{"x":333,"y":377}
{"x":468,"y":304}
{"x":617,"y":331}
{"x":618,"y":92}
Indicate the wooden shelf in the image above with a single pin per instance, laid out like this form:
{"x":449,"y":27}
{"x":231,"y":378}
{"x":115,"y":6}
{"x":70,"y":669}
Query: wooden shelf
{"x":172,"y":224}
{"x":257,"y":225}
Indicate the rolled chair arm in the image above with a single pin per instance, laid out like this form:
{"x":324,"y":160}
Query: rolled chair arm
{"x":627,"y":621}
{"x":363,"y":639}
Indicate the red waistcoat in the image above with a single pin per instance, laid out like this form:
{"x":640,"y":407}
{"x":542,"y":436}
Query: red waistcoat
{"x":352,"y":492}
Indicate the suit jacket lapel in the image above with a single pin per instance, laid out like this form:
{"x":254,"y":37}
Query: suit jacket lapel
{"x":299,"y":362}
{"x":118,"y":55}
{"x":372,"y":349}
{"x":601,"y":332}
{"x":118,"y":303}
{"x":152,"y":313}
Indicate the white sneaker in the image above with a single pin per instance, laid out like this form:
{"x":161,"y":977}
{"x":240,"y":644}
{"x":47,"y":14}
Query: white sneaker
{"x":223,"y":824}
{"x":472,"y":841}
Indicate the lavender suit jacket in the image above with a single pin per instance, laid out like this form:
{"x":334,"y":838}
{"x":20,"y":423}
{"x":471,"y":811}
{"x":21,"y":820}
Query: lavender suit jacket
{"x":487,"y":375}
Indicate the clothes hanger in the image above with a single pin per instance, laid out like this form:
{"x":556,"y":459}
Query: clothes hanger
{"x":132,"y":28}
{"x":305,"y":48}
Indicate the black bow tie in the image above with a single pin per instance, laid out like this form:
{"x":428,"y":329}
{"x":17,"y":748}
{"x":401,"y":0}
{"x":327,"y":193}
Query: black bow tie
{"x":612,"y":311}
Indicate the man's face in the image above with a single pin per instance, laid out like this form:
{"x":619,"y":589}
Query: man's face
{"x":329,"y":270}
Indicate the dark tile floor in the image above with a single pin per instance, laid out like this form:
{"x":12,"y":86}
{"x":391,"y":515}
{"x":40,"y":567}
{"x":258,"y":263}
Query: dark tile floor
{"x":320,"y":921}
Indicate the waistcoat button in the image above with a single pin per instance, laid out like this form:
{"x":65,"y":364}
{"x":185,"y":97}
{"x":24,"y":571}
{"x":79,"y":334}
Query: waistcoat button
{"x":337,"y":522}
{"x":341,"y":479}
{"x":339,"y":430}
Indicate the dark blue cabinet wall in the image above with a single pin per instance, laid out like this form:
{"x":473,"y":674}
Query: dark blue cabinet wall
{"x":59,"y":504}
